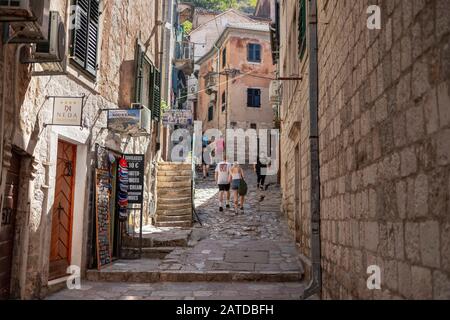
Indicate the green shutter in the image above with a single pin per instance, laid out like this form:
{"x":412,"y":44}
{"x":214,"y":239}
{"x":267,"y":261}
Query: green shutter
{"x":302,"y":29}
{"x":139,"y":60}
{"x":85,"y":37}
{"x":80,"y":34}
{"x":92,"y":44}
{"x":156,"y":109}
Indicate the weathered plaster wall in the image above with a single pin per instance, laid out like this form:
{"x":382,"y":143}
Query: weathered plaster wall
{"x":122,"y":22}
{"x":252,"y":75}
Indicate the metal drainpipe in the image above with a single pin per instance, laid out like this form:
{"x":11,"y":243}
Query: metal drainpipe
{"x":315,"y":286}
{"x":218,"y":83}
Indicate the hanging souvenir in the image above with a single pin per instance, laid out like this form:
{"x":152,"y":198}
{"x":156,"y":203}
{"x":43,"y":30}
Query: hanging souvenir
{"x":123,"y":189}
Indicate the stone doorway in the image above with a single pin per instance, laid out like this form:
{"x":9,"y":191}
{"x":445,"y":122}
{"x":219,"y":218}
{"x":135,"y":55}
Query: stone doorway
{"x":62,"y":213}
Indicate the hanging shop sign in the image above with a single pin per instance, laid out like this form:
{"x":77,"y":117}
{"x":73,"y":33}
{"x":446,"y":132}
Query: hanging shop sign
{"x":177,"y":117}
{"x":130,"y":121}
{"x":67,"y":111}
{"x":136,"y":164}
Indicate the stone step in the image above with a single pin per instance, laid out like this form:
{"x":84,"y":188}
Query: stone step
{"x":174,"y":193}
{"x":174,"y":224}
{"x":174,"y":167}
{"x":163,"y":200}
{"x":149,"y":252}
{"x":178,"y":238}
{"x":174,"y":185}
{"x":182,"y":218}
{"x":174,"y":205}
{"x":175,"y":212}
{"x":174,"y":179}
{"x":154,"y":276}
{"x":178,"y":173}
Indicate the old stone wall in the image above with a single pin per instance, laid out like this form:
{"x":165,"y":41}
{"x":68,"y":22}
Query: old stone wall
{"x":294,"y":144}
{"x":384,"y":148}
{"x":122,"y":23}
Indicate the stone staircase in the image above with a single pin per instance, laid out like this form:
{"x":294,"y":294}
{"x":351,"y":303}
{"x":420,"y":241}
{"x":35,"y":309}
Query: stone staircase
{"x":174,"y":206}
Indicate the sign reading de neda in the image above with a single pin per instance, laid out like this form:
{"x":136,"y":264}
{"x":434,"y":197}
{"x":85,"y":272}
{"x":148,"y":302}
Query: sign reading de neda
{"x":67,"y":111}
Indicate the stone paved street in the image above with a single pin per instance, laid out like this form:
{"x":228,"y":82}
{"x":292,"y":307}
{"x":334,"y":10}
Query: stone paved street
{"x":226,"y":251}
{"x":183,"y":291}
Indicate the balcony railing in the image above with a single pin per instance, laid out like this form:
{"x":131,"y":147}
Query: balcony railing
{"x":184,"y":50}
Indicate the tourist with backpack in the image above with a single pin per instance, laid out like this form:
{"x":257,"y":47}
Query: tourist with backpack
{"x":238,"y":186}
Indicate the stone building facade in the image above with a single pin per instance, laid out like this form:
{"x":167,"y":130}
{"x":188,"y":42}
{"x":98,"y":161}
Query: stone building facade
{"x":122,"y":27}
{"x":222,"y":105}
{"x":384,"y":143}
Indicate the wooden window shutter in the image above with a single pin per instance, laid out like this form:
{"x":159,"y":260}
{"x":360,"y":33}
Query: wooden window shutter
{"x":302,"y":29}
{"x":249,"y":97}
{"x":94,"y":18}
{"x":156,"y":110}
{"x":139,"y":61}
{"x":85,"y":37}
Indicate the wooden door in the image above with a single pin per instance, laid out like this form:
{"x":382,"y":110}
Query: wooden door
{"x":8,"y":222}
{"x":62,"y":213}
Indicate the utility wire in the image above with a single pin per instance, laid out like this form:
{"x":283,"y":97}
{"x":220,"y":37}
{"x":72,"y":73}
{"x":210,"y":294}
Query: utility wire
{"x":224,"y":83}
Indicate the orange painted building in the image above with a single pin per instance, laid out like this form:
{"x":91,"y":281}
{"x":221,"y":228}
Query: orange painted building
{"x":241,"y":55}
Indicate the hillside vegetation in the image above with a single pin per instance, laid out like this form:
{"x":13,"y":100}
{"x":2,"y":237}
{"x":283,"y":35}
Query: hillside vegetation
{"x":247,"y":6}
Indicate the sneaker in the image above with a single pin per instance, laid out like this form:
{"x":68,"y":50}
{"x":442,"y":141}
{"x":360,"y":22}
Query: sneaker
{"x":221,"y":209}
{"x":262,"y":198}
{"x":242,"y":210}
{"x":236,"y":211}
{"x":228,"y":206}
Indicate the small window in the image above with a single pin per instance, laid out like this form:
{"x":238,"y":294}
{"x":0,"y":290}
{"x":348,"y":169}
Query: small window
{"x":254,"y":52}
{"x":302,"y":29}
{"x":233,"y":124}
{"x":224,"y":58}
{"x":254,"y":98}
{"x":147,"y":83}
{"x":224,"y":101}
{"x":253,"y":126}
{"x":211,"y":113}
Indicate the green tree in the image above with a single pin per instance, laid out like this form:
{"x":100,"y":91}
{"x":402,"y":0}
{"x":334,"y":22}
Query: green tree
{"x":222,"y":5}
{"x":187,"y":26}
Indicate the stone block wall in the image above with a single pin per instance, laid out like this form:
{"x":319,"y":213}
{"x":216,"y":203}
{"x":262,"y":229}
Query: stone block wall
{"x":384,"y":105}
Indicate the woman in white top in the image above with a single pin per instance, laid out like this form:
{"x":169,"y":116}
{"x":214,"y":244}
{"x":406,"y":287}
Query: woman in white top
{"x":236,"y":175}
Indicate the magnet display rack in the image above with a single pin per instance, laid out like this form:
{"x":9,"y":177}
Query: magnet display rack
{"x":103,"y":218}
{"x":102,"y":189}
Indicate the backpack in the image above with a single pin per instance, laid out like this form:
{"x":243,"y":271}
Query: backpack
{"x":243,"y":188}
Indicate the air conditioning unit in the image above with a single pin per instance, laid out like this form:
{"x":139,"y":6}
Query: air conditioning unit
{"x":274,"y":91}
{"x":193,"y":88}
{"x":51,"y":55}
{"x":28,"y":18}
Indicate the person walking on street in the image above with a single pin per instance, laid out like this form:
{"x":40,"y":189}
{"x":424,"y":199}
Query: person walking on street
{"x":260,"y":168}
{"x":236,"y":178}
{"x":222,"y":179}
{"x":205,"y":160}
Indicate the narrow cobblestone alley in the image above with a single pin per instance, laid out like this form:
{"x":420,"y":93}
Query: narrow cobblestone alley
{"x":249,"y":256}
